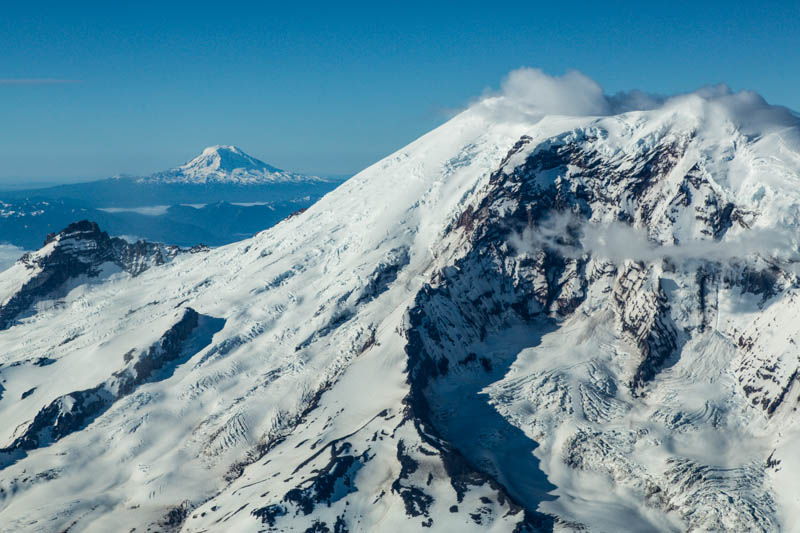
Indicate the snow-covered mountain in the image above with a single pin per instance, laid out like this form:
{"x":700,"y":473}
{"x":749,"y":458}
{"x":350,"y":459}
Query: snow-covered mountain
{"x":79,"y":254}
{"x":219,"y":197}
{"x":229,"y":165}
{"x":522,"y":321}
{"x":219,"y":173}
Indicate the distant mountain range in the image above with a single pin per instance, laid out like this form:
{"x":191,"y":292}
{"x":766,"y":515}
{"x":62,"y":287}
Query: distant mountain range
{"x":218,"y":197}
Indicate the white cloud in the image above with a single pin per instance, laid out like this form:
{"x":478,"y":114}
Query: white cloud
{"x":9,"y":255}
{"x":573,"y":237}
{"x":570,"y":94}
{"x":527,"y":94}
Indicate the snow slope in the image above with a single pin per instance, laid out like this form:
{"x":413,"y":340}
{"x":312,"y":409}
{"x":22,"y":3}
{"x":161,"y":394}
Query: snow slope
{"x":521,"y":321}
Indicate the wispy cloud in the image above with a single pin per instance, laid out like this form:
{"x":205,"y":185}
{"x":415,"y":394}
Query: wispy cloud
{"x":36,"y":81}
{"x":574,"y":237}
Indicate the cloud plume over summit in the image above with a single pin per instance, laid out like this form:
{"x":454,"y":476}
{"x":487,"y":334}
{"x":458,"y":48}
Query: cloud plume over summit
{"x":529,"y":93}
{"x":570,"y":94}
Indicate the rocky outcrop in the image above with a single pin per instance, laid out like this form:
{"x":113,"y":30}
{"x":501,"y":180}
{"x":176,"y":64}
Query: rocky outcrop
{"x":524,"y":262}
{"x":79,"y":252}
{"x":74,"y":411}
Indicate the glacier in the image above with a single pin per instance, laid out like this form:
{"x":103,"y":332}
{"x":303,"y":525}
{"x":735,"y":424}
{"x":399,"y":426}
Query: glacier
{"x":536,"y":317}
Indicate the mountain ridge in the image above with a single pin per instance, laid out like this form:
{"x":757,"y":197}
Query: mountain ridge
{"x":510,"y":324}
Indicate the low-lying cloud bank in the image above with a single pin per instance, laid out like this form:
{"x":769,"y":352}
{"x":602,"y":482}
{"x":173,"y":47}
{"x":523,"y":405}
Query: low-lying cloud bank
{"x":9,"y":254}
{"x":529,"y":94}
{"x":573,"y":238}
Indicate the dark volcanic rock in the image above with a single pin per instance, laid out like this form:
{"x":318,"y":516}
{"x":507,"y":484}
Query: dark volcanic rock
{"x":81,"y":250}
{"x":73,"y":411}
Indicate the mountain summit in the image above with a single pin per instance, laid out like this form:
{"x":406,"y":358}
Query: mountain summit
{"x":536,"y":317}
{"x":226,"y":165}
{"x":225,"y":159}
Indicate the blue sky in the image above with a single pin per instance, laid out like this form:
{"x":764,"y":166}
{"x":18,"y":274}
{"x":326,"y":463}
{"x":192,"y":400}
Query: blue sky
{"x":326,"y":88}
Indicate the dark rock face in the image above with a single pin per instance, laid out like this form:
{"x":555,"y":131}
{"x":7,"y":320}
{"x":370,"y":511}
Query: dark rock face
{"x":468,"y":304}
{"x":384,"y":275}
{"x":644,"y":318}
{"x":490,"y":289}
{"x":334,"y":481}
{"x":80,"y":250}
{"x":417,"y":502}
{"x":566,"y":176}
{"x":175,"y":517}
{"x":269,"y":514}
{"x":493,"y":287}
{"x":329,"y":484}
{"x":65,"y":415}
{"x":84,"y":249}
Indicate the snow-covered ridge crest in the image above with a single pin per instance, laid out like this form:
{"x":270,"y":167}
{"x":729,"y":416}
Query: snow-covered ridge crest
{"x":227,"y":165}
{"x":79,"y":254}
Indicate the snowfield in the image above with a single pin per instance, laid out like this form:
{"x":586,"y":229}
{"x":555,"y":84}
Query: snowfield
{"x":522,"y":321}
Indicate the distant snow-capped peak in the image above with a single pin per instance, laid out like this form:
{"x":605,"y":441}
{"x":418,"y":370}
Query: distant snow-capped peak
{"x":227,"y":164}
{"x":226,"y":159}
